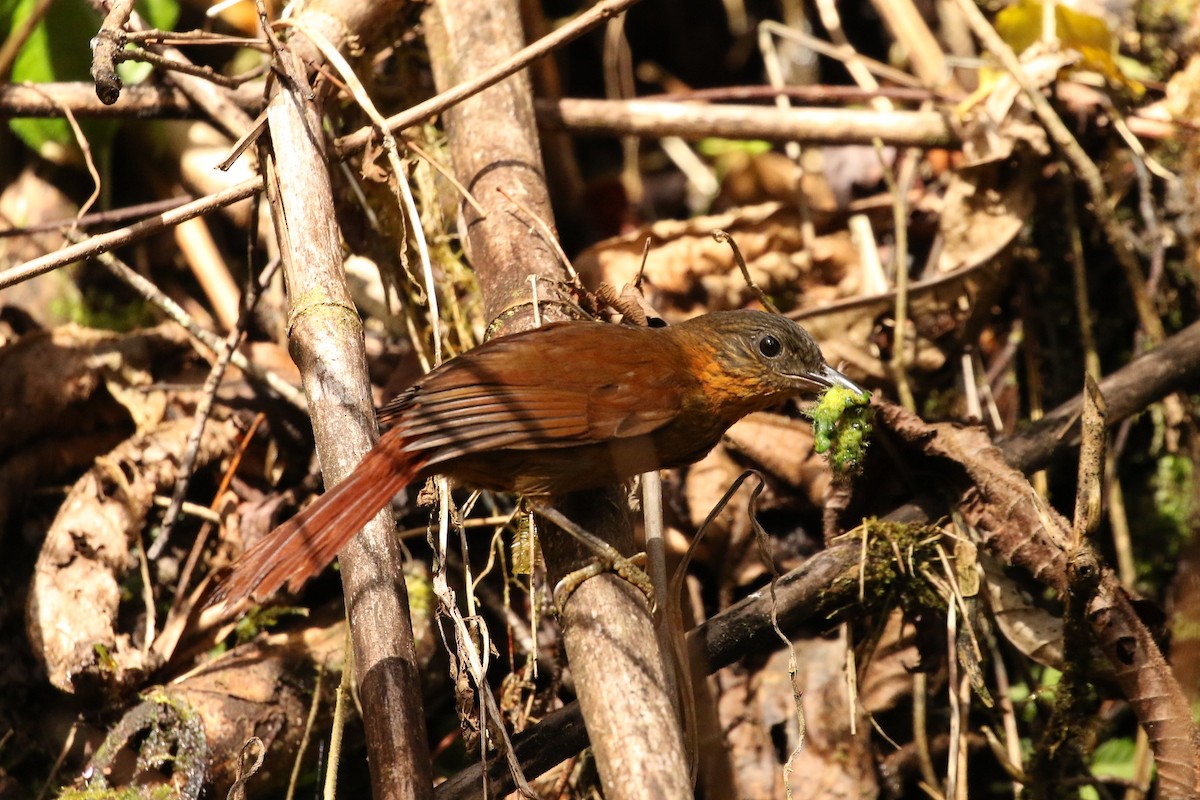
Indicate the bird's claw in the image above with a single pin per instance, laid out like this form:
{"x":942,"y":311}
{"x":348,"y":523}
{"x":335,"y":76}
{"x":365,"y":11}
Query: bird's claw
{"x":629,"y":569}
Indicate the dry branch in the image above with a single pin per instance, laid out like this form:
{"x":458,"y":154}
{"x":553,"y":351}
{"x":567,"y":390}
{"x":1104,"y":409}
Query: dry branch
{"x":326,"y":340}
{"x":104,"y":242}
{"x":1173,"y":365}
{"x":135,"y":102}
{"x":651,"y":118}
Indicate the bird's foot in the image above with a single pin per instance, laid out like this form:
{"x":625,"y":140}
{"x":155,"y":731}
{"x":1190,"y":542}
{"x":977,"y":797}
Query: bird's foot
{"x":629,"y":569}
{"x":608,"y":559}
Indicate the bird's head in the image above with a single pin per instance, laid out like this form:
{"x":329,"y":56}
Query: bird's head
{"x":752,"y":359}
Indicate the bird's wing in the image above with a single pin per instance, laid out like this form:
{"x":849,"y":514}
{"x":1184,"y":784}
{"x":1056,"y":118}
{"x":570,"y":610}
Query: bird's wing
{"x":546,"y":388}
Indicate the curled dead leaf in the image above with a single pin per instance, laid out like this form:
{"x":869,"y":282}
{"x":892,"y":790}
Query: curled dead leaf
{"x":783,"y":446}
{"x":263,"y":688}
{"x":55,"y":374}
{"x":687,"y":272}
{"x":75,"y":596}
{"x":1034,"y":631}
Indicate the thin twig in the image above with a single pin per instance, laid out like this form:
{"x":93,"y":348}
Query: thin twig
{"x":448,"y":175}
{"x":195,"y":70}
{"x":407,"y":202}
{"x":723,"y":236}
{"x":86,"y":151}
{"x":98,"y":217}
{"x":196,"y":37}
{"x":338,"y":724}
{"x":151,"y":293}
{"x":586,"y":21}
{"x":103,"y":242}
{"x":204,"y":407}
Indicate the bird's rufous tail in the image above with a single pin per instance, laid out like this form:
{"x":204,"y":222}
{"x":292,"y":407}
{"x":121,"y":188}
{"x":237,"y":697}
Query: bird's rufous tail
{"x":308,"y":542}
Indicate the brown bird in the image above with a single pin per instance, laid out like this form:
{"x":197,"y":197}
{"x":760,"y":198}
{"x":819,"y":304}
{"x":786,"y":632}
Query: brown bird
{"x":569,"y":406}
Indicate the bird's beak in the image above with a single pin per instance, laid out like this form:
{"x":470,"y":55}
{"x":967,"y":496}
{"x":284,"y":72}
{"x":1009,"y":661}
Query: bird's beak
{"x":827,"y":377}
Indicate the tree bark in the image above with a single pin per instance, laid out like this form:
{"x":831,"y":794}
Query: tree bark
{"x":326,"y":341}
{"x":607,"y":629}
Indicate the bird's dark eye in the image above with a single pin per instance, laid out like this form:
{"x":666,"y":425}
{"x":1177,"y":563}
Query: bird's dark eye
{"x":769,"y":346}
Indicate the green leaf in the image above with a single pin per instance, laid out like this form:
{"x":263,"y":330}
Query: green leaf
{"x":161,"y":14}
{"x":1020,"y":25}
{"x":1114,"y":758}
{"x":57,"y":50}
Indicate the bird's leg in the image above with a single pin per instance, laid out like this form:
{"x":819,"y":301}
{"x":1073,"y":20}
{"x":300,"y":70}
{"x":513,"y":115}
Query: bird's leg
{"x":608,"y":558}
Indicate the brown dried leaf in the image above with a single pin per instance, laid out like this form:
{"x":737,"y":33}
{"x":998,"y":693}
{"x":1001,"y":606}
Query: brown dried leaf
{"x":833,"y":763}
{"x":49,"y":376}
{"x":688,"y":272}
{"x":783,"y":446}
{"x":1034,"y":631}
{"x":75,"y":594}
{"x":986,"y":205}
